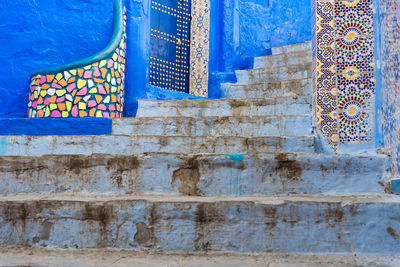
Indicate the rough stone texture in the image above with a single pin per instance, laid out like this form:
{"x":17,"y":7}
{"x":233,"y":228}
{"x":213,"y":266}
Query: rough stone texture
{"x":279,"y":60}
{"x":216,"y":126}
{"x":132,"y":145}
{"x":223,"y":108}
{"x":239,"y":225}
{"x":291,"y":72}
{"x":205,"y":175}
{"x":269,"y":89}
{"x":106,"y":258}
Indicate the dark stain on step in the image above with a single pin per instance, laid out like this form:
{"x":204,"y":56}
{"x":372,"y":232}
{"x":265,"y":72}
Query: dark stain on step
{"x":143,"y":234}
{"x":393,"y":233}
{"x":188,"y":176}
{"x":288,"y":168}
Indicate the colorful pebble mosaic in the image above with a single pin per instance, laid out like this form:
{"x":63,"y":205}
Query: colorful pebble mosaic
{"x":95,"y":90}
{"x":390,"y":54}
{"x":344,"y":71}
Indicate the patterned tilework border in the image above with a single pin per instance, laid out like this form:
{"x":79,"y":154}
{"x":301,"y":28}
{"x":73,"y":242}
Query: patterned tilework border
{"x":344,"y":72}
{"x":390,"y":54}
{"x":199,"y":48}
{"x":95,"y":90}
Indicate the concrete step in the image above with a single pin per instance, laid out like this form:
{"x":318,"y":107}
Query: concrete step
{"x":226,"y":107}
{"x":292,"y":48}
{"x":270,"y":74}
{"x":279,"y":224}
{"x":269,"y":89}
{"x":255,"y":126}
{"x":133,"y":145}
{"x":195,"y":174}
{"x":128,"y":258}
{"x":286,"y":59}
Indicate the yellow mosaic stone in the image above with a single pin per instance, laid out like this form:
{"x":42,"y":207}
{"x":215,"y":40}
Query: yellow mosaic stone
{"x":109,"y":78}
{"x":69,"y":106}
{"x":115,"y":57}
{"x":113,"y":89}
{"x":65,"y":114}
{"x":53,"y":106}
{"x":81,"y":83}
{"x":93,"y":91}
{"x":61,"y":92}
{"x":35,"y":94}
{"x":73,"y":72}
{"x":59,"y":77}
{"x":99,"y":114}
{"x":82,"y":105}
{"x":47,"y":113}
{"x":88,"y":67}
{"x":103,"y":63}
{"x":43,"y":93}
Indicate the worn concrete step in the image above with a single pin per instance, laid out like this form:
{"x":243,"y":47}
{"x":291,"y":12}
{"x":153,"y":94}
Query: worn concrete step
{"x":195,"y":174}
{"x":292,"y":48}
{"x":36,"y":256}
{"x":269,"y":89}
{"x":133,"y":145}
{"x":286,"y":59}
{"x":255,"y":126}
{"x":226,"y":107}
{"x":280,"y":224}
{"x":270,"y":74}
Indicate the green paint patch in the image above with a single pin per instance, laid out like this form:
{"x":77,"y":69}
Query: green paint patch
{"x":236,"y":158}
{"x":3,"y":145}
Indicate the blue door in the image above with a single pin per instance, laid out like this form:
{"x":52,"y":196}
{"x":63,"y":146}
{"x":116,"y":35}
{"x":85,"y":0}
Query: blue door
{"x":170,"y":44}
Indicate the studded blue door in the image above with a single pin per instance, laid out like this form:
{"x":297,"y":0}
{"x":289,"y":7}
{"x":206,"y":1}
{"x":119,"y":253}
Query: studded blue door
{"x":170,"y":44}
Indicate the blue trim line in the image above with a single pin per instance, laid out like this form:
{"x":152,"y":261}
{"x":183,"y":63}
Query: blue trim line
{"x":67,"y":126}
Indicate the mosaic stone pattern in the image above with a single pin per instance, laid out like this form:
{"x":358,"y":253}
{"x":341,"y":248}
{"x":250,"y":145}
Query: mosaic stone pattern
{"x":95,"y":90}
{"x":390,"y":54}
{"x":199,"y":48}
{"x":344,"y":71}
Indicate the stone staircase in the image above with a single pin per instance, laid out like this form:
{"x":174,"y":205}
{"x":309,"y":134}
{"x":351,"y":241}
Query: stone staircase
{"x":235,"y":175}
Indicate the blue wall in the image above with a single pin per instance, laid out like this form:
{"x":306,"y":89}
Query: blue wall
{"x":41,"y":34}
{"x":244,"y":29}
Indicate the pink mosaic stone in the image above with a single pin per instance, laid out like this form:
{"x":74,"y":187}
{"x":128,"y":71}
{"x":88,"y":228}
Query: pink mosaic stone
{"x":111,"y":108}
{"x":42,"y":79}
{"x":96,"y":72}
{"x":71,"y":87}
{"x":102,"y":91}
{"x":106,"y":115}
{"x":32,"y":89}
{"x":102,"y":107}
{"x":110,"y":63}
{"x":117,"y":115}
{"x":119,"y":99}
{"x":82,"y":92}
{"x":119,"y":81}
{"x":47,"y":101}
{"x":92,"y":103}
{"x":88,"y":74}
{"x":56,"y":114}
{"x":34,"y":104}
{"x":61,"y":99}
{"x":56,"y":86}
{"x":74,"y":111}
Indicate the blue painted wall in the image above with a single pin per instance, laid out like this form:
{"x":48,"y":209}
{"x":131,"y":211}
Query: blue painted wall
{"x":41,"y":34}
{"x":244,"y":29}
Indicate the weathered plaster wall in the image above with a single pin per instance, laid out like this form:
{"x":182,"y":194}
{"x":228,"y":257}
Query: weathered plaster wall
{"x":390,"y":70}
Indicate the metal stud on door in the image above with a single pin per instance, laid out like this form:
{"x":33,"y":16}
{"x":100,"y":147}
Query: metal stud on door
{"x":170,"y":44}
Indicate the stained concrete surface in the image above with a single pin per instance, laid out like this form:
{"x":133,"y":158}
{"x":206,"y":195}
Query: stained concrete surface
{"x":66,"y":258}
